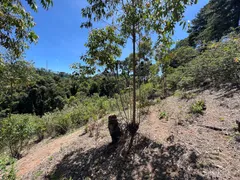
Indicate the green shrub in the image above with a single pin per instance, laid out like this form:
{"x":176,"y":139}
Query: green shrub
{"x":62,"y":123}
{"x":7,"y":168}
{"x":198,"y":107}
{"x":145,"y":93}
{"x":19,"y":129}
{"x":40,"y":128}
{"x":218,"y":64}
{"x":15,"y":132}
{"x":71,"y":100}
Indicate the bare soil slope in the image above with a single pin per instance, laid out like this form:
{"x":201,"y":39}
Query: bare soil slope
{"x":179,"y":146}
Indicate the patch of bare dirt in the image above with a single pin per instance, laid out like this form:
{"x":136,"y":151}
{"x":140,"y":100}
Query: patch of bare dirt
{"x":178,"y":146}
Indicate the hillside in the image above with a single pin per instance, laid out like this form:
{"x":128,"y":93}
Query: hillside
{"x":129,"y":96}
{"x":180,"y":145}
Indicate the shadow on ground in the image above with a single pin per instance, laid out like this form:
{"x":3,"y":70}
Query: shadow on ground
{"x":147,"y":160}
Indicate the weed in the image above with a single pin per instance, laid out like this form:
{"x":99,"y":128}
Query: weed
{"x":221,"y":119}
{"x":198,"y":107}
{"x":50,"y":158}
{"x":162,"y":115}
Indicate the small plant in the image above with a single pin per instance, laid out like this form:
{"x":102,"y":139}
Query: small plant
{"x":50,"y":158}
{"x":221,"y":119}
{"x":162,"y":115}
{"x":198,"y":107}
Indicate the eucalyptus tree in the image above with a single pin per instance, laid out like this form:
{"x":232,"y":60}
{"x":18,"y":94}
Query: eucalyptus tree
{"x":16,"y":24}
{"x":132,"y":19}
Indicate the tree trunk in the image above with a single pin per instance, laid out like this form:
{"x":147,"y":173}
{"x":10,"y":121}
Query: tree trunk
{"x":134,"y":74}
{"x":11,"y":99}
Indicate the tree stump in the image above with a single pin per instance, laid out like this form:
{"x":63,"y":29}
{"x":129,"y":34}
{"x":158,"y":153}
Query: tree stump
{"x":114,"y":129}
{"x":238,"y":124}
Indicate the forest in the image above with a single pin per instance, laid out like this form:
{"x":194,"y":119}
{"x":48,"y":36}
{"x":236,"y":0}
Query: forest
{"x":162,"y":91}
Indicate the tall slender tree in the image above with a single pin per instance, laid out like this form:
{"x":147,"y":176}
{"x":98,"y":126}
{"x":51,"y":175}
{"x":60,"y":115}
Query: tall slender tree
{"x":132,"y":19}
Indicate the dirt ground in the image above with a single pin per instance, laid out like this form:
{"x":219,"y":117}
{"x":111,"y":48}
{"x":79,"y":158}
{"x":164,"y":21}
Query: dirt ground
{"x":178,"y":146}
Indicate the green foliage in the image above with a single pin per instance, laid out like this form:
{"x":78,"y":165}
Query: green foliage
{"x":214,"y":21}
{"x":7,"y":168}
{"x":181,"y":56}
{"x":132,"y":19}
{"x":103,"y":47}
{"x":91,"y":108}
{"x":15,"y":74}
{"x":198,"y":107}
{"x":162,"y":115}
{"x":16,"y":24}
{"x":15,"y":131}
{"x":62,"y":123}
{"x":145,"y":93}
{"x":19,"y":130}
{"x":71,"y":100}
{"x":217,"y":65}
{"x":39,"y":127}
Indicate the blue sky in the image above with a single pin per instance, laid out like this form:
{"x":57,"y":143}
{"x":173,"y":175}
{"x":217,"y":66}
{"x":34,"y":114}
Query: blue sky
{"x":61,"y":41}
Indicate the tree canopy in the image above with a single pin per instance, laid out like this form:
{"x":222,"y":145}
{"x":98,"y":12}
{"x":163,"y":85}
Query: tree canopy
{"x":16,"y":24}
{"x":214,"y":21}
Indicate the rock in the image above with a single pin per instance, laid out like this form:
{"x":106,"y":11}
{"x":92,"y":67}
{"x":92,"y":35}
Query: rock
{"x":237,"y":138}
{"x":114,"y":129}
{"x":193,"y":157}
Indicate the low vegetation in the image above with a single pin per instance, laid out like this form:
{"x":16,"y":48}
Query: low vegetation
{"x":7,"y":168}
{"x":198,"y":107}
{"x":215,"y":66}
{"x":19,"y":130}
{"x":162,"y":115}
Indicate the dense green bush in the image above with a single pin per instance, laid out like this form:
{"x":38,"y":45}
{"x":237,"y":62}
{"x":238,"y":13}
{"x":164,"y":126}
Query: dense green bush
{"x":58,"y":122}
{"x":14,"y":133}
{"x":39,"y":127}
{"x":218,"y":64}
{"x":62,"y":123}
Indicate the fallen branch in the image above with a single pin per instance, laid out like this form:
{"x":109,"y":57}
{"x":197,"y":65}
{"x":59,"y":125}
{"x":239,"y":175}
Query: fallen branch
{"x":213,"y":128}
